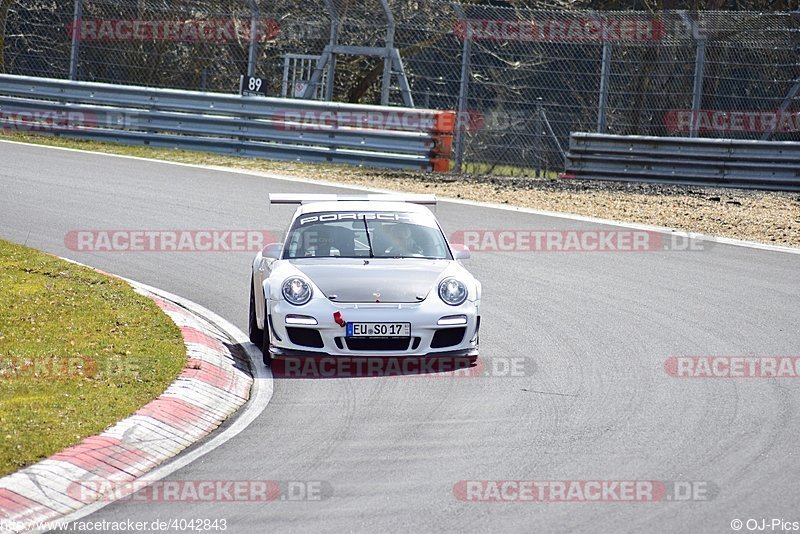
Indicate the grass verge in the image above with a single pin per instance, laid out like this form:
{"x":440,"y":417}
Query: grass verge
{"x":78,"y":351}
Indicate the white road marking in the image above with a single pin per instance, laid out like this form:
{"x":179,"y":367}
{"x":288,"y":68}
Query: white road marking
{"x":260,"y":395}
{"x":489,"y":205}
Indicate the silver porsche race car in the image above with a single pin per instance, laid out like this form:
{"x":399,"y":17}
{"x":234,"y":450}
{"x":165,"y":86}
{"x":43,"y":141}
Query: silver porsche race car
{"x":366,"y":275}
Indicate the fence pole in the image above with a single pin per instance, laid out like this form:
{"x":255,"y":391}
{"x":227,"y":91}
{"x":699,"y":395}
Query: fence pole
{"x":334,"y":40}
{"x":253,"y":53}
{"x":537,"y":146}
{"x":463,"y":96}
{"x":699,"y":69}
{"x":387,"y":60}
{"x":552,"y":132}
{"x":74,"y":55}
{"x":605,"y":74}
{"x":697,"y":91}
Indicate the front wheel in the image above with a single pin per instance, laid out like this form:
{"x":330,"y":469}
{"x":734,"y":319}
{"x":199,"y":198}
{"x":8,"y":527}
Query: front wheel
{"x":265,"y":338}
{"x":255,"y":333}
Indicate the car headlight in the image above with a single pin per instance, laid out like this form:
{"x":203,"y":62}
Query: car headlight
{"x":296,"y":291}
{"x":452,"y":292}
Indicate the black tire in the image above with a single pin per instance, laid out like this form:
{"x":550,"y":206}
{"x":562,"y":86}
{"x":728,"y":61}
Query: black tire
{"x":255,"y":333}
{"x":265,"y":339}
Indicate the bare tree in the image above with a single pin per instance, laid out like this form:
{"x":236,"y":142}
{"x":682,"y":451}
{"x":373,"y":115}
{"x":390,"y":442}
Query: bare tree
{"x":5,"y":6}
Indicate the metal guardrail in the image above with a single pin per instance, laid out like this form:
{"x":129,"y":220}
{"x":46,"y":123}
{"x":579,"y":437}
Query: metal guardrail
{"x":271,"y":128}
{"x":769,"y":165}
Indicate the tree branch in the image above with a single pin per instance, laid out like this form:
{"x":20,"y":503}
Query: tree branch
{"x":5,"y":6}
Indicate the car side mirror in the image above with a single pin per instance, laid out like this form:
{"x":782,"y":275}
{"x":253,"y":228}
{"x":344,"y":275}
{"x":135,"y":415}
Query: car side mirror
{"x":460,"y":252}
{"x":273,"y":251}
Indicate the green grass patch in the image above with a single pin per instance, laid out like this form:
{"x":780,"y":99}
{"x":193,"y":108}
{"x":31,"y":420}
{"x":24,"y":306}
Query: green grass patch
{"x":254,"y":164}
{"x":179,"y":156}
{"x":507,"y":170}
{"x":78,"y":351}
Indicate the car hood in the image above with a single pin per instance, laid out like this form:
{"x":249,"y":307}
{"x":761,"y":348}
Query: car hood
{"x":373,"y":280}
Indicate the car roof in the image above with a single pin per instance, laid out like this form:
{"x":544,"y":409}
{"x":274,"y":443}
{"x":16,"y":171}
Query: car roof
{"x":362,"y":205}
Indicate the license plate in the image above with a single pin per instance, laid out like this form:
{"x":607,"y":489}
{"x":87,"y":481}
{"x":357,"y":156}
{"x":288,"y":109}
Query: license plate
{"x":378,"y":329}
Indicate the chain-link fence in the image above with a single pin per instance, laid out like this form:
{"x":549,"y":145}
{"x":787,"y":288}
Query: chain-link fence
{"x":522,"y":79}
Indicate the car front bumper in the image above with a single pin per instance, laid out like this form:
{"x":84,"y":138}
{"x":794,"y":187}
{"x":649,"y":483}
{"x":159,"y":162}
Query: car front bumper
{"x":327,"y":338}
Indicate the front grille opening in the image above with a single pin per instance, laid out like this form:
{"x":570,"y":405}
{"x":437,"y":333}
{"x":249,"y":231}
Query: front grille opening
{"x":447,"y":337}
{"x":338,"y":341}
{"x":305,"y":337}
{"x":415,"y":344}
{"x":377,"y":344}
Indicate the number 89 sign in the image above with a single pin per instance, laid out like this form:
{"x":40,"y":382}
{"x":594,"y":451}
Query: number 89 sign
{"x":252,"y":86}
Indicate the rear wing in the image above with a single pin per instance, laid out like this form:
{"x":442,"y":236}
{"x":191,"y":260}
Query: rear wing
{"x":295,"y":199}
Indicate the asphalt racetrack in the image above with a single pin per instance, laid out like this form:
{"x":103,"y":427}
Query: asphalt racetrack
{"x":593,"y":332}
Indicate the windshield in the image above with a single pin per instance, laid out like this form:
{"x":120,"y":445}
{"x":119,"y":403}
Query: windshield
{"x":366,"y":235}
